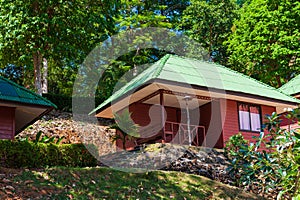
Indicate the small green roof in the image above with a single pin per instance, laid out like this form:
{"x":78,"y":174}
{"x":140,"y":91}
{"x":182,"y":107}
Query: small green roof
{"x":292,"y":87}
{"x":10,"y":91}
{"x":194,"y":72}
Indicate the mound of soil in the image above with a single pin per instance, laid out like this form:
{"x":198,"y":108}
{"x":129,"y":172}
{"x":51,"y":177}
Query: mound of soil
{"x":206,"y":162}
{"x":202,"y":161}
{"x":61,"y":125}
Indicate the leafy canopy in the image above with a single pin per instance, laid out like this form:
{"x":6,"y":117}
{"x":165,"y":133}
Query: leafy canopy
{"x":209,"y":23}
{"x":265,"y":42}
{"x":59,"y":31}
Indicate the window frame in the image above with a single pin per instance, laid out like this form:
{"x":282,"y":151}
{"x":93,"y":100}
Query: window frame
{"x":259,"y":112}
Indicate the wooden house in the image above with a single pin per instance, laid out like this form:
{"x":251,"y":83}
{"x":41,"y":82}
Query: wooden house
{"x":291,"y":88}
{"x":188,"y":101}
{"x":19,"y":108}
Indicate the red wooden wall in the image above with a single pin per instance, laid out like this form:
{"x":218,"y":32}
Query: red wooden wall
{"x":211,"y":119}
{"x":288,"y":124}
{"x":229,"y":113}
{"x":231,"y":125}
{"x":7,"y":122}
{"x":141,"y":114}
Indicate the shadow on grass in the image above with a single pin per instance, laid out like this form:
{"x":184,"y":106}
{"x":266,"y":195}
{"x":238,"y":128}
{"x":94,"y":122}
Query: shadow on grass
{"x":106,"y":183}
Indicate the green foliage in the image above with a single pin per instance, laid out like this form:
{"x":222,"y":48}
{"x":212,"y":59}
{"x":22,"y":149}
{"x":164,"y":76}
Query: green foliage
{"x":45,"y":139}
{"x":141,"y":14}
{"x":64,"y":102}
{"x":133,"y":15}
{"x":126,"y":128}
{"x":60,"y":31}
{"x":61,"y":79}
{"x":210,"y":23}
{"x":277,"y":170}
{"x":265,"y":41}
{"x":17,"y":154}
{"x":42,"y":140}
{"x":116,"y":74}
{"x":235,"y":144}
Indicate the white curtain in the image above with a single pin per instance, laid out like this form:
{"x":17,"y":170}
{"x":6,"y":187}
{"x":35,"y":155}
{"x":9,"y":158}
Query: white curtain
{"x":255,"y":118}
{"x":244,"y":120}
{"x":255,"y":121}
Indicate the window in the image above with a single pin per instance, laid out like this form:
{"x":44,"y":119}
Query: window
{"x":249,"y":117}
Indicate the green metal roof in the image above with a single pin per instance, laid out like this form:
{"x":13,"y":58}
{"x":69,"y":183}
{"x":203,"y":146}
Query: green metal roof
{"x":292,"y":87}
{"x":10,"y":91}
{"x":199,"y":73}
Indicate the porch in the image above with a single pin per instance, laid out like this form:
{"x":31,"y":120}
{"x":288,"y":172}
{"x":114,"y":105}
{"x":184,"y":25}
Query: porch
{"x":173,"y":117}
{"x":175,"y":133}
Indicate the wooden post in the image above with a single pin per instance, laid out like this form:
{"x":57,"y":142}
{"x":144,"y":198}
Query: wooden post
{"x":161,"y":101}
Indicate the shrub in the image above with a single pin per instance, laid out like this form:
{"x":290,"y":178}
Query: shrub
{"x":276,"y":171}
{"x":64,"y":102}
{"x":16,"y":154}
{"x":126,"y":128}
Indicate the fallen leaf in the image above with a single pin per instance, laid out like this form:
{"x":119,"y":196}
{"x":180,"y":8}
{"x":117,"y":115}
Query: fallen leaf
{"x":9,"y":187}
{"x":29,"y":182}
{"x":43,"y":191}
{"x":5,"y":180}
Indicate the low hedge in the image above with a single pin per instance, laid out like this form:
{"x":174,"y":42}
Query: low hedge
{"x":17,"y":154}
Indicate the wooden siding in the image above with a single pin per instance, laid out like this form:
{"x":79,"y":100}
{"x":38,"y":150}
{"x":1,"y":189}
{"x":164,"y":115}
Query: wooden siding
{"x":288,"y":124}
{"x":129,"y":145}
{"x":213,"y":128}
{"x":229,"y":113}
{"x":205,"y":115}
{"x":7,"y":122}
{"x":141,"y":113}
{"x":231,"y":124}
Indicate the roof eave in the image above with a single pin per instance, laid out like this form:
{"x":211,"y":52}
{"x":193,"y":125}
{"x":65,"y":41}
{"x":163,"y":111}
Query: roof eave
{"x":48,"y":110}
{"x":293,"y":104}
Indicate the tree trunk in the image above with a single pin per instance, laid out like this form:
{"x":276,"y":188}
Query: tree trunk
{"x":278,"y":81}
{"x":37,"y":64}
{"x":135,"y":70}
{"x":44,"y":76}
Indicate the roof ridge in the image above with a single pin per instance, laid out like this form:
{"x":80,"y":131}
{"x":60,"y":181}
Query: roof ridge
{"x":29,"y":91}
{"x":161,"y":64}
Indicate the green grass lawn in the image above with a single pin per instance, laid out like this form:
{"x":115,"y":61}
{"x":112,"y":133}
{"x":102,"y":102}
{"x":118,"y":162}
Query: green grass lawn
{"x":106,"y":183}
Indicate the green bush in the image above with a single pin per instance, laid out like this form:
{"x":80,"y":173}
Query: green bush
{"x":16,"y":154}
{"x":64,"y":102}
{"x":276,"y":171}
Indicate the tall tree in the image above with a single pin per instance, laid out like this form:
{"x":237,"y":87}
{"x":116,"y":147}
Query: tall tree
{"x":265,"y":42}
{"x":210,"y":23}
{"x":133,"y":15}
{"x":32,"y":31}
